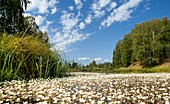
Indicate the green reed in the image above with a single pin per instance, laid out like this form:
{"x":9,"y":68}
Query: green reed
{"x":27,"y":58}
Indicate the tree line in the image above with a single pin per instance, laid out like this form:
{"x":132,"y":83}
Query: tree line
{"x":91,"y":67}
{"x":147,"y":44}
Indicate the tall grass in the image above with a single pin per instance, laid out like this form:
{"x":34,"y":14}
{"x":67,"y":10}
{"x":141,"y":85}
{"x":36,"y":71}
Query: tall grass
{"x":27,"y":58}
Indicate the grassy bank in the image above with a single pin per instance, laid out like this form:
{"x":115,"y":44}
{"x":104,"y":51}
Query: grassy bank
{"x":28,"y":58}
{"x":142,"y":70}
{"x":126,"y":70}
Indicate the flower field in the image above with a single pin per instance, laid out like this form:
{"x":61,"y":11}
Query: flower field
{"x":90,"y":89}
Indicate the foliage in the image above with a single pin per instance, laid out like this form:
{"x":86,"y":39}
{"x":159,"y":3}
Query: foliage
{"x":11,"y":19}
{"x":32,"y":29}
{"x":24,"y":49}
{"x":28,"y":57}
{"x":148,"y":44}
{"x":93,"y":67}
{"x":117,"y":55}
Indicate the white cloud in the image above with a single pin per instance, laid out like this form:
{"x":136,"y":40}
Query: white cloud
{"x":83,"y":58}
{"x":103,"y":3}
{"x":53,"y":10}
{"x":62,"y":40}
{"x":71,"y":8}
{"x":78,"y":3}
{"x":100,"y":60}
{"x":88,"y":19}
{"x":71,"y":24}
{"x":70,"y":31}
{"x":82,"y":25}
{"x":46,"y":26}
{"x":41,"y":6}
{"x":33,"y":5}
{"x":68,"y":20}
{"x":27,"y":14}
{"x":49,"y":22}
{"x":106,"y":60}
{"x":53,"y":30}
{"x":123,"y":1}
{"x":94,"y":6}
{"x":122,"y":13}
{"x":97,"y":7}
{"x":97,"y":59}
{"x":99,"y":14}
{"x":112,"y":6}
{"x":40,"y":20}
{"x":146,"y":6}
{"x":52,"y":2}
{"x":44,"y":7}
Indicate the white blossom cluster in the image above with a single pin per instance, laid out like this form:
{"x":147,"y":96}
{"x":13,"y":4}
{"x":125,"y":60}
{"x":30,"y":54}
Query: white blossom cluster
{"x":90,"y":89}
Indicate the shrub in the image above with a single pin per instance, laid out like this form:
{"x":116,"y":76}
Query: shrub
{"x":28,"y":57}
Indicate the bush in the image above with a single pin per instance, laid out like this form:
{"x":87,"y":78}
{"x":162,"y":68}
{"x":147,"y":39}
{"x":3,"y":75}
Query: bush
{"x":27,"y":58}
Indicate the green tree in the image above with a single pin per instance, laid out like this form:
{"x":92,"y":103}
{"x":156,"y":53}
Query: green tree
{"x":117,"y":55}
{"x":93,"y":63}
{"x":143,"y":35}
{"x":32,"y":29}
{"x":11,"y":18}
{"x":165,"y":32}
{"x":148,"y":44}
{"x":126,"y":50}
{"x":107,"y":66}
{"x":74,"y":65}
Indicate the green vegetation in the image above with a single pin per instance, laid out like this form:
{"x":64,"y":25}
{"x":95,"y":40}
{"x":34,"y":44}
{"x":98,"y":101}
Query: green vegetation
{"x":107,"y":68}
{"x":12,"y":19}
{"x":28,"y":57}
{"x":25,"y":52}
{"x":92,"y":67}
{"x":142,"y":70}
{"x":148,"y":44}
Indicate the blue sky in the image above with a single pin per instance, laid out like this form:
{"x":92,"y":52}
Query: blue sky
{"x":87,"y":30}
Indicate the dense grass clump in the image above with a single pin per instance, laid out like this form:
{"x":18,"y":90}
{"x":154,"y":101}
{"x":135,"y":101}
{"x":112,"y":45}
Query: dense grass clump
{"x":28,"y":58}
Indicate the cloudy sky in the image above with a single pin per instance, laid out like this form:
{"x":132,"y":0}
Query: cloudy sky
{"x":87,"y":30}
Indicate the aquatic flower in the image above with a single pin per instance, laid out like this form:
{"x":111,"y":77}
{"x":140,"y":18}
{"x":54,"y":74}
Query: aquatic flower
{"x":90,"y":89}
